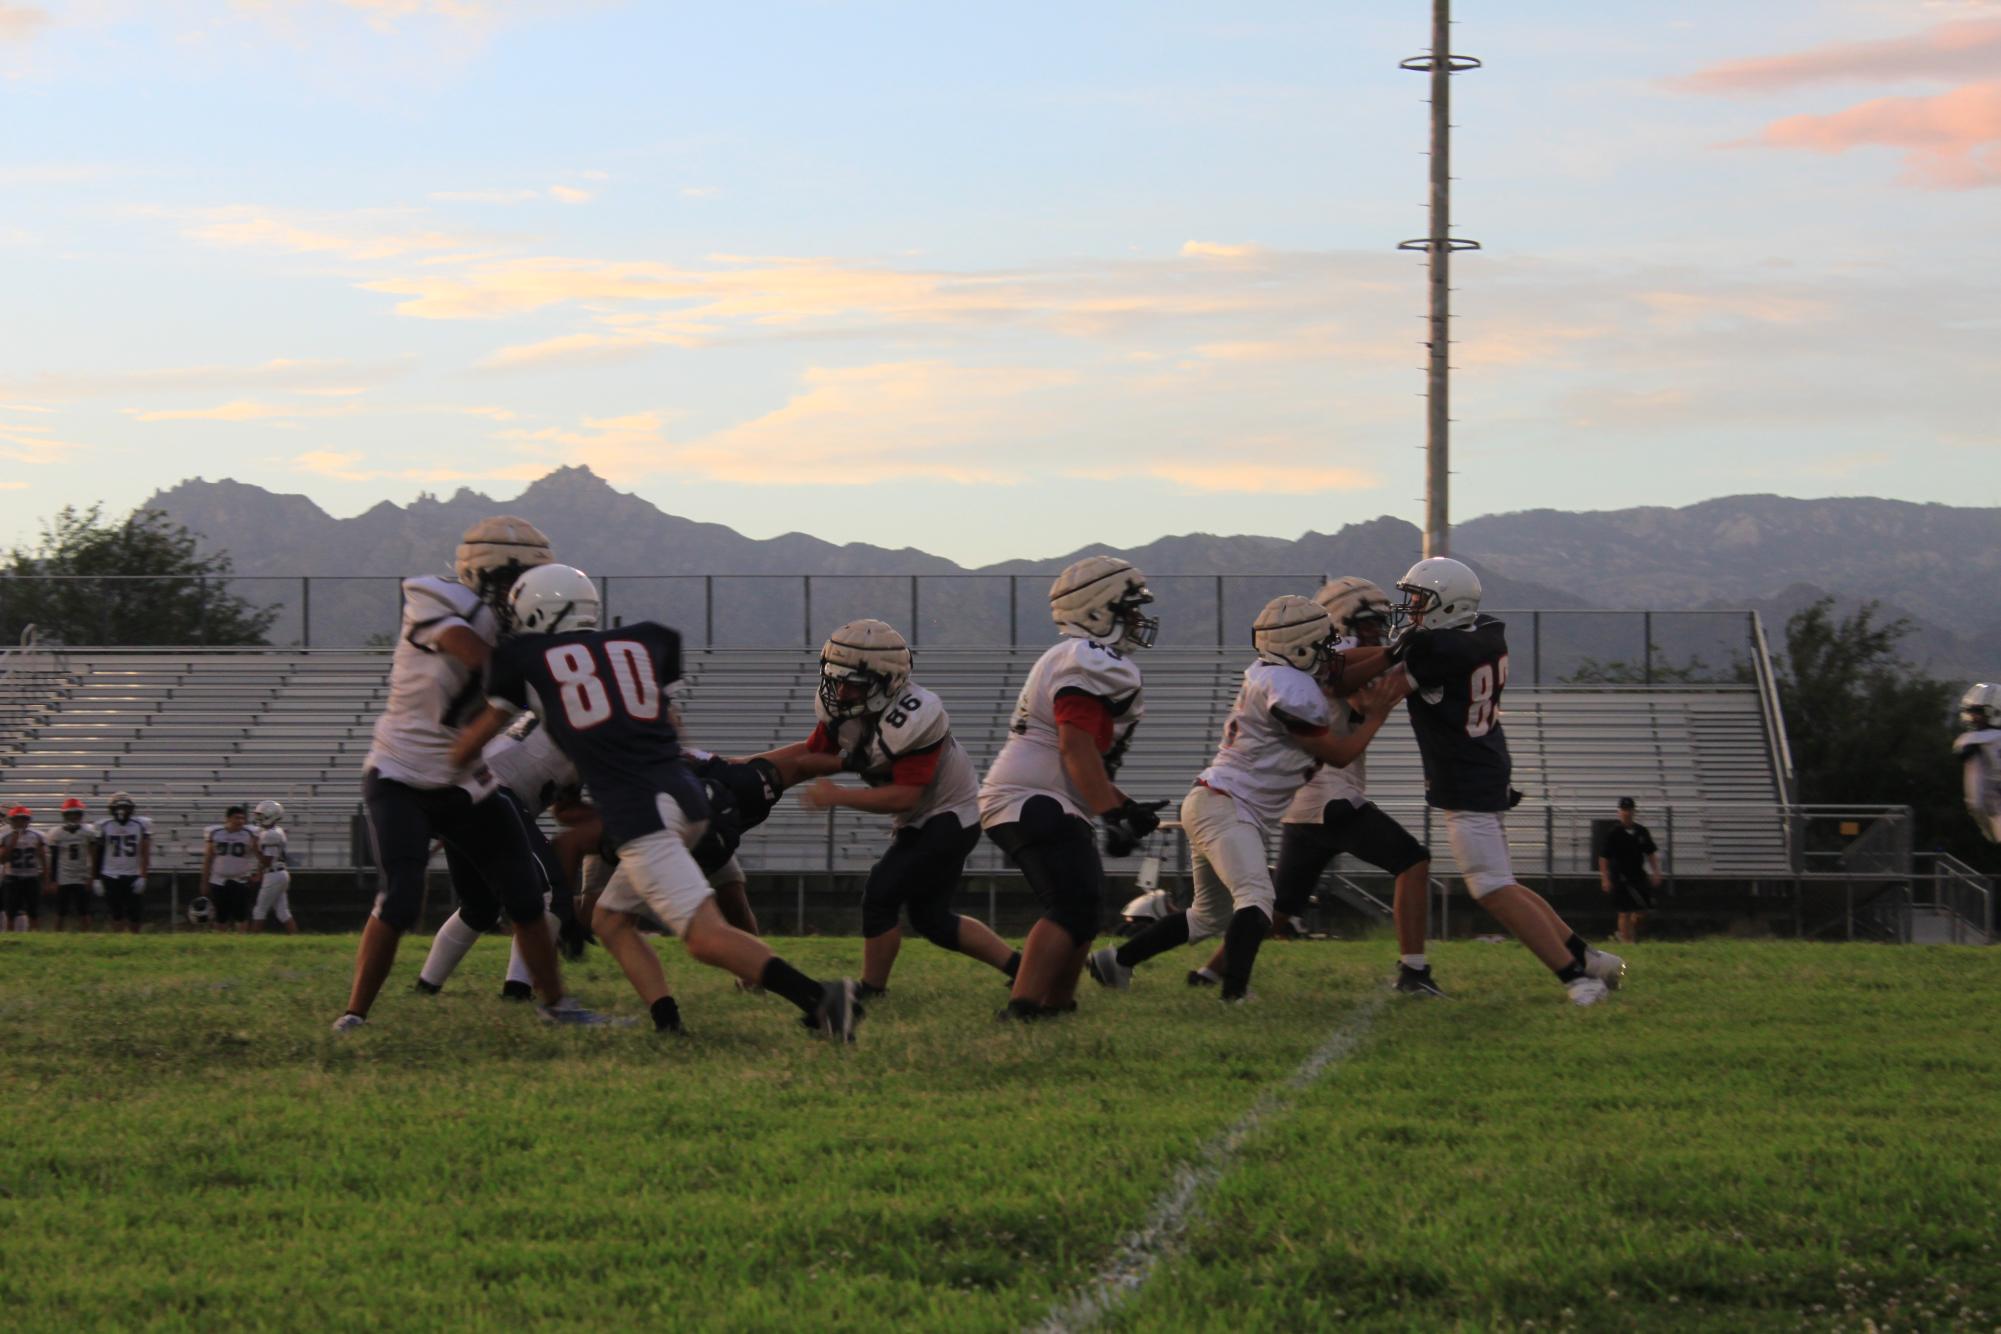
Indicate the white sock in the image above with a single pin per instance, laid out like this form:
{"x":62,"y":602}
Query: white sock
{"x":21,"y":922}
{"x":448,"y":948}
{"x":1210,"y":973}
{"x":1413,"y":961}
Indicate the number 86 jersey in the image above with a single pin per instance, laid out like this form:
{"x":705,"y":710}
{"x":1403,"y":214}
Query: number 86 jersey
{"x":1456,"y":713}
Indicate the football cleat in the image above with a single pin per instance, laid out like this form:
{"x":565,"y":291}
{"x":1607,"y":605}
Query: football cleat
{"x":1242,"y":998}
{"x":1202,"y":977}
{"x":838,"y":1012}
{"x":1289,"y":929}
{"x":1417,"y":981}
{"x":1586,"y":991}
{"x":424,"y":988}
{"x":570,"y":1013}
{"x":511,"y":990}
{"x":1607,"y":968}
{"x":347,"y":1023}
{"x":1107,"y":971}
{"x":863,"y":991}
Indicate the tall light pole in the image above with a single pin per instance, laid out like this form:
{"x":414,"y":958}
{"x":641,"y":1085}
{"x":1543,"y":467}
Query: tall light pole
{"x":1438,"y":246}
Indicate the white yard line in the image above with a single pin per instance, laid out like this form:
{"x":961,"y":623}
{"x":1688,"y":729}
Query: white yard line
{"x":1140,"y":1252}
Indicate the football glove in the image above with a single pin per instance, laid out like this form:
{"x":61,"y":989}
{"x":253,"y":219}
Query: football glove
{"x":573,"y":936}
{"x":1127,"y":825}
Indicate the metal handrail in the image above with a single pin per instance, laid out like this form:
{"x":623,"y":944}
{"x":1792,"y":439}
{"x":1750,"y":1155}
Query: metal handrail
{"x":1775,"y":718}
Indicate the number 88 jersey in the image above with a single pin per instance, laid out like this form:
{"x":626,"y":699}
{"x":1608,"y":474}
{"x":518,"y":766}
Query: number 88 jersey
{"x":1456,"y":713}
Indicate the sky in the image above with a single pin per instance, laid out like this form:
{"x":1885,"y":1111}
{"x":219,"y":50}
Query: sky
{"x":995,"y":280}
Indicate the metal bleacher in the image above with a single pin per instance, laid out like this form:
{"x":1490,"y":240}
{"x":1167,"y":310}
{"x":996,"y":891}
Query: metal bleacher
{"x":188,"y":732}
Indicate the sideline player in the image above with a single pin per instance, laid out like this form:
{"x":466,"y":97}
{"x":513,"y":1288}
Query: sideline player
{"x":73,"y":850}
{"x":124,"y":859}
{"x":274,"y":886}
{"x":1332,"y":813}
{"x":874,"y":721}
{"x":229,"y":863}
{"x":602,"y":696}
{"x":1072,"y":724}
{"x":1455,"y":665}
{"x":25,"y":853}
{"x":411,"y":786}
{"x":1277,"y":734}
{"x":1979,"y":751}
{"x":1629,"y":869}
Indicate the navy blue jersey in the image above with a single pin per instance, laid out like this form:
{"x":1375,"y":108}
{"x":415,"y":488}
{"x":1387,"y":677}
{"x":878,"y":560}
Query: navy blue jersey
{"x":1456,"y":713}
{"x":601,"y":695}
{"x":740,"y":796}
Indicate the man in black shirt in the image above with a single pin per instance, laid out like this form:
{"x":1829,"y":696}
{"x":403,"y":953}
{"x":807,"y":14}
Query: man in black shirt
{"x":602,"y":696}
{"x":1629,"y":869}
{"x":1454,"y":664}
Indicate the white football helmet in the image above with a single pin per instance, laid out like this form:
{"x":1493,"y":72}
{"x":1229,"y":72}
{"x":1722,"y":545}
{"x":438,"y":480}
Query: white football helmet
{"x":1098,"y":598}
{"x":120,"y":802}
{"x":267,"y":814}
{"x":1293,"y":631}
{"x":494,"y":552}
{"x":1445,"y":592}
{"x":863,"y":665}
{"x":550,"y":599}
{"x":1356,"y":605}
{"x":1980,"y":706}
{"x":200,"y":910}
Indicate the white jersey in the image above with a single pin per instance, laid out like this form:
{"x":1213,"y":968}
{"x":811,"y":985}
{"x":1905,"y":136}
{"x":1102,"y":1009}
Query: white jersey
{"x":23,"y":852}
{"x":899,"y":747}
{"x":271,"y":842}
{"x":1261,"y":762}
{"x":526,"y":761}
{"x":124,"y":840}
{"x":1349,"y":783}
{"x":431,"y":693}
{"x":235,"y":853}
{"x":71,"y":850}
{"x":1980,"y":755}
{"x":1030,"y":764}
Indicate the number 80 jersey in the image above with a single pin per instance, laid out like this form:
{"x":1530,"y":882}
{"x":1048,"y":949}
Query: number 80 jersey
{"x":1456,"y":713}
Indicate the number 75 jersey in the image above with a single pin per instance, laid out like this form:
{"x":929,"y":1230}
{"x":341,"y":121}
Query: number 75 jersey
{"x":602,"y":698}
{"x":1456,"y":713}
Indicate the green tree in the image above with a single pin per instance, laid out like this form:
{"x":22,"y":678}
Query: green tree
{"x":1617,"y":672}
{"x":184,"y":597}
{"x":1867,"y":726}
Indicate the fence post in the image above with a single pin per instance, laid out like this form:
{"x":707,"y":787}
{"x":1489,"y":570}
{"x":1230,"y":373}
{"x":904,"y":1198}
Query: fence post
{"x":1013,"y":611}
{"x":1220,"y":641}
{"x":806,"y":583}
{"x":913,"y":609}
{"x":1647,"y":651}
{"x":201,"y":610}
{"x":1548,"y":850}
{"x":1535,"y":638}
{"x":604,"y":602}
{"x":1667,"y":857}
{"x":305,"y":611}
{"x":173,"y":899}
{"x":708,"y":611}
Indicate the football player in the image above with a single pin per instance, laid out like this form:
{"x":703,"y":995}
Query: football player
{"x":1454,"y":665}
{"x":1277,"y":734}
{"x":1979,"y":751}
{"x":124,"y":858}
{"x":602,"y":696}
{"x":1072,"y":724}
{"x":26,"y":855}
{"x":274,"y":885}
{"x":73,"y":848}
{"x":1332,"y":813}
{"x":874,"y":721}
{"x":410,"y":784}
{"x":229,"y":863}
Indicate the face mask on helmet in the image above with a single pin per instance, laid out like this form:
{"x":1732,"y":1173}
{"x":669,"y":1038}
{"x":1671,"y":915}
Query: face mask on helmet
{"x":1417,"y":603}
{"x":851,"y":692}
{"x":122,"y":810}
{"x":1140,"y":629}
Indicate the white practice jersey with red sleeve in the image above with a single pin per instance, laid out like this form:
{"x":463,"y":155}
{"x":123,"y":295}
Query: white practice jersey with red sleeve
{"x":910,"y":743}
{"x":1980,"y":755}
{"x":1260,"y":762}
{"x":1076,"y":681}
{"x":1350,"y":782}
{"x":526,"y":761}
{"x":432,"y":695}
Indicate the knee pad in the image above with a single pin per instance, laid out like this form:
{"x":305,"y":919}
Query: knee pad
{"x":1079,"y":914}
{"x":526,"y":912}
{"x":938,"y":925}
{"x":879,"y":912}
{"x":398,"y":905}
{"x":481,"y":916}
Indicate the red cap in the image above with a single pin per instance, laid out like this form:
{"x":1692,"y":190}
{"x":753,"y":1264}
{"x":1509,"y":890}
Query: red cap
{"x":20,"y":810}
{"x":72,"y":804}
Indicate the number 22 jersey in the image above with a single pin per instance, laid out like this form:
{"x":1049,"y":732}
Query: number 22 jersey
{"x":602,"y":698}
{"x":1456,"y":713}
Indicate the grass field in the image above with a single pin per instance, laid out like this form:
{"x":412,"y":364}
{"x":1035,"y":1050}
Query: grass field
{"x":1751,"y":1136}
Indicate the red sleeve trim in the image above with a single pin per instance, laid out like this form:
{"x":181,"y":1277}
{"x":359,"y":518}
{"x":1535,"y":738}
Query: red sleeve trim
{"x":822,"y":741}
{"x":915,"y":770}
{"x":1088,"y":714}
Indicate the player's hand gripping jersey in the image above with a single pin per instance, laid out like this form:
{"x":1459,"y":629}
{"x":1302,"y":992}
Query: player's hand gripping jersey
{"x":1260,"y":762}
{"x":1980,"y":754}
{"x":235,"y":853}
{"x":1076,"y":681}
{"x":72,"y":849}
{"x":1456,"y":713}
{"x":526,"y":761}
{"x":910,"y":743}
{"x":601,"y":696}
{"x":123,"y":840}
{"x":431,"y":693}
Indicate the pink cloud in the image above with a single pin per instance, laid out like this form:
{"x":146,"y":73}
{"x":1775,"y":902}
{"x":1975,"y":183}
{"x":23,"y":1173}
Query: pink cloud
{"x":1951,"y":141}
{"x":1970,"y":49}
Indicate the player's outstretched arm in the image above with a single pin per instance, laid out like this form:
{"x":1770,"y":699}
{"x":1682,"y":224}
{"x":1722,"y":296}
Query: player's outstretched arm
{"x":464,"y":644}
{"x":889,"y":799}
{"x":490,"y":724}
{"x":1359,"y":666}
{"x":798,"y":762}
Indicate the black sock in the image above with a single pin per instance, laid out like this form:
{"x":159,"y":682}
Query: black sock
{"x":1569,"y":973}
{"x":666,"y":1015}
{"x":781,"y":977}
{"x":1013,"y":965}
{"x":1248,"y":929}
{"x":1159,"y":938}
{"x":1576,"y":946}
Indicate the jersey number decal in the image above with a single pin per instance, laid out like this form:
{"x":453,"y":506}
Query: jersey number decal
{"x":586,"y":702}
{"x":122,"y":845}
{"x":900,"y":715}
{"x":1486,"y":683}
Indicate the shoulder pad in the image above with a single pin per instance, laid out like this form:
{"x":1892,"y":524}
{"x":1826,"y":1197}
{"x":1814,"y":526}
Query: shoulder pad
{"x":430,"y":597}
{"x":1094,"y":669}
{"x":1297,"y":693}
{"x":906,"y":731}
